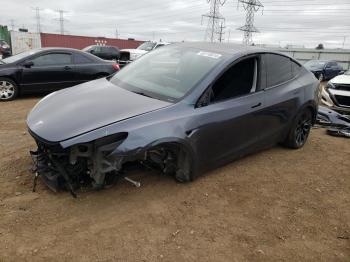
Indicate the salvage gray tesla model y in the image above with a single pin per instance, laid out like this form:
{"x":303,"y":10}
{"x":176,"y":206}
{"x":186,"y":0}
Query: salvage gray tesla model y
{"x":183,"y":109}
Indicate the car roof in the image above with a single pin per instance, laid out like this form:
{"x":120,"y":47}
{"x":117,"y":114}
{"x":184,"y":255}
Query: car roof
{"x":227,"y":49}
{"x":57,"y":49}
{"x":102,"y":45}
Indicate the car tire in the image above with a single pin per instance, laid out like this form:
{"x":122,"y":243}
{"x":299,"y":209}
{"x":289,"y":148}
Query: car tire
{"x":8,"y":89}
{"x":300,"y":130}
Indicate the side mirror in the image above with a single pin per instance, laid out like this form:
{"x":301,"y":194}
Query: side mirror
{"x":92,"y":51}
{"x":341,"y":72}
{"x":28,"y":64}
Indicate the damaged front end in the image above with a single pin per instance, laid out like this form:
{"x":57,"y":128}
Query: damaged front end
{"x":95,"y":164}
{"x":89,"y":164}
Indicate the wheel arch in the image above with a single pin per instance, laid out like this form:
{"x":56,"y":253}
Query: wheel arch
{"x":312,"y":106}
{"x":12,"y":79}
{"x":125,"y":150}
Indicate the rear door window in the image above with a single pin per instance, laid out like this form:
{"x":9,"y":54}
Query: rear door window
{"x":81,"y":59}
{"x":295,"y":68}
{"x":53,"y":59}
{"x":279,"y":69}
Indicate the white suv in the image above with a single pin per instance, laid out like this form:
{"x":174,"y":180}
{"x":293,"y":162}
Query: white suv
{"x":129,"y":55}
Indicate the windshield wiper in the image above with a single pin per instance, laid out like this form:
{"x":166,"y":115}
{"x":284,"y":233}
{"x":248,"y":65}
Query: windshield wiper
{"x":143,"y":94}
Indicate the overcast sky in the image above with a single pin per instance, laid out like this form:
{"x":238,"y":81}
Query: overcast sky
{"x":298,"y":22}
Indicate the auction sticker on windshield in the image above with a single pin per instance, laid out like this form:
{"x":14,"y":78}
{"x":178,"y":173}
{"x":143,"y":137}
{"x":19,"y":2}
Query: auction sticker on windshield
{"x":209,"y":54}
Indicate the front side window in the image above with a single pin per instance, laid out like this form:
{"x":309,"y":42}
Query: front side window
{"x":52,"y":59}
{"x":167,"y":73}
{"x":18,"y":57}
{"x":279,"y":69}
{"x":88,"y":48}
{"x":241,"y":79}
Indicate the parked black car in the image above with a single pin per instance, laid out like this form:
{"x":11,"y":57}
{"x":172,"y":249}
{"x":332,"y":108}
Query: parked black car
{"x":324,"y":70}
{"x":49,"y":69}
{"x":5,"y":49}
{"x":182,"y":108}
{"x":104,"y":52}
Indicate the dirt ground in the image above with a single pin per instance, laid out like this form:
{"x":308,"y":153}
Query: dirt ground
{"x":276,"y":205}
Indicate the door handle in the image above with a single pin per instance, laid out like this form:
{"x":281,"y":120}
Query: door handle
{"x":67,"y":68}
{"x":257,"y":105}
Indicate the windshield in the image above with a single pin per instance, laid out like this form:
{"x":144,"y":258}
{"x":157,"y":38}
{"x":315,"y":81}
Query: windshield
{"x":15,"y":58}
{"x":147,"y":46}
{"x":167,"y":73}
{"x":87,"y":48}
{"x":315,"y":64}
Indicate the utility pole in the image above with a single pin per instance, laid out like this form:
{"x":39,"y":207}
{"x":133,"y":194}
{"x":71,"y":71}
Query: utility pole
{"x":221,"y":32}
{"x":214,"y":17}
{"x":37,"y":17}
{"x":344,"y":41}
{"x":229,"y":36}
{"x":12,"y":24}
{"x":61,"y":21}
{"x":116,"y":33}
{"x":250,"y":6}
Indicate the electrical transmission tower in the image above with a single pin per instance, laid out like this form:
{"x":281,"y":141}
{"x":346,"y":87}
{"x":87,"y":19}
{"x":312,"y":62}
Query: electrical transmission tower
{"x":214,"y":19}
{"x":61,"y":20}
{"x":221,"y":33}
{"x":37,"y":17}
{"x":251,"y":6}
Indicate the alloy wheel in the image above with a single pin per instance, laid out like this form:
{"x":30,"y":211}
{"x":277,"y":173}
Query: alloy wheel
{"x":7,"y":90}
{"x":303,"y":129}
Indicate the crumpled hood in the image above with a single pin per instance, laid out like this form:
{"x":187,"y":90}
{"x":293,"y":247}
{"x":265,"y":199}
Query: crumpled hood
{"x":341,"y":79}
{"x":80,"y":109}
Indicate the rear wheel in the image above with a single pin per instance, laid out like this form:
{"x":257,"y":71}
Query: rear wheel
{"x":8,"y":89}
{"x":300,"y":130}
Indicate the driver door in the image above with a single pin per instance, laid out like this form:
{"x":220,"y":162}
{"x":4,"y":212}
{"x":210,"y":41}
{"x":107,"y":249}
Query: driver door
{"x":231,"y":124}
{"x":50,"y":71}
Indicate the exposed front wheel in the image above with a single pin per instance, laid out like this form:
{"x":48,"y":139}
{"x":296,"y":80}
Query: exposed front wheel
{"x":8,"y":89}
{"x":300,"y":130}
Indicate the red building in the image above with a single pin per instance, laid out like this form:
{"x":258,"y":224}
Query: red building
{"x":79,"y":42}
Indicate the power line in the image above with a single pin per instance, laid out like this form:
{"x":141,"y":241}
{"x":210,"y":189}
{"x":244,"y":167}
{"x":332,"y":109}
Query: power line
{"x":214,"y":17}
{"x":251,"y":6}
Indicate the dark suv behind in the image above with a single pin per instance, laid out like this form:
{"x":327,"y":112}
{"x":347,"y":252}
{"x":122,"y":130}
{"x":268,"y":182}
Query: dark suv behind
{"x":104,"y":52}
{"x":324,"y":70}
